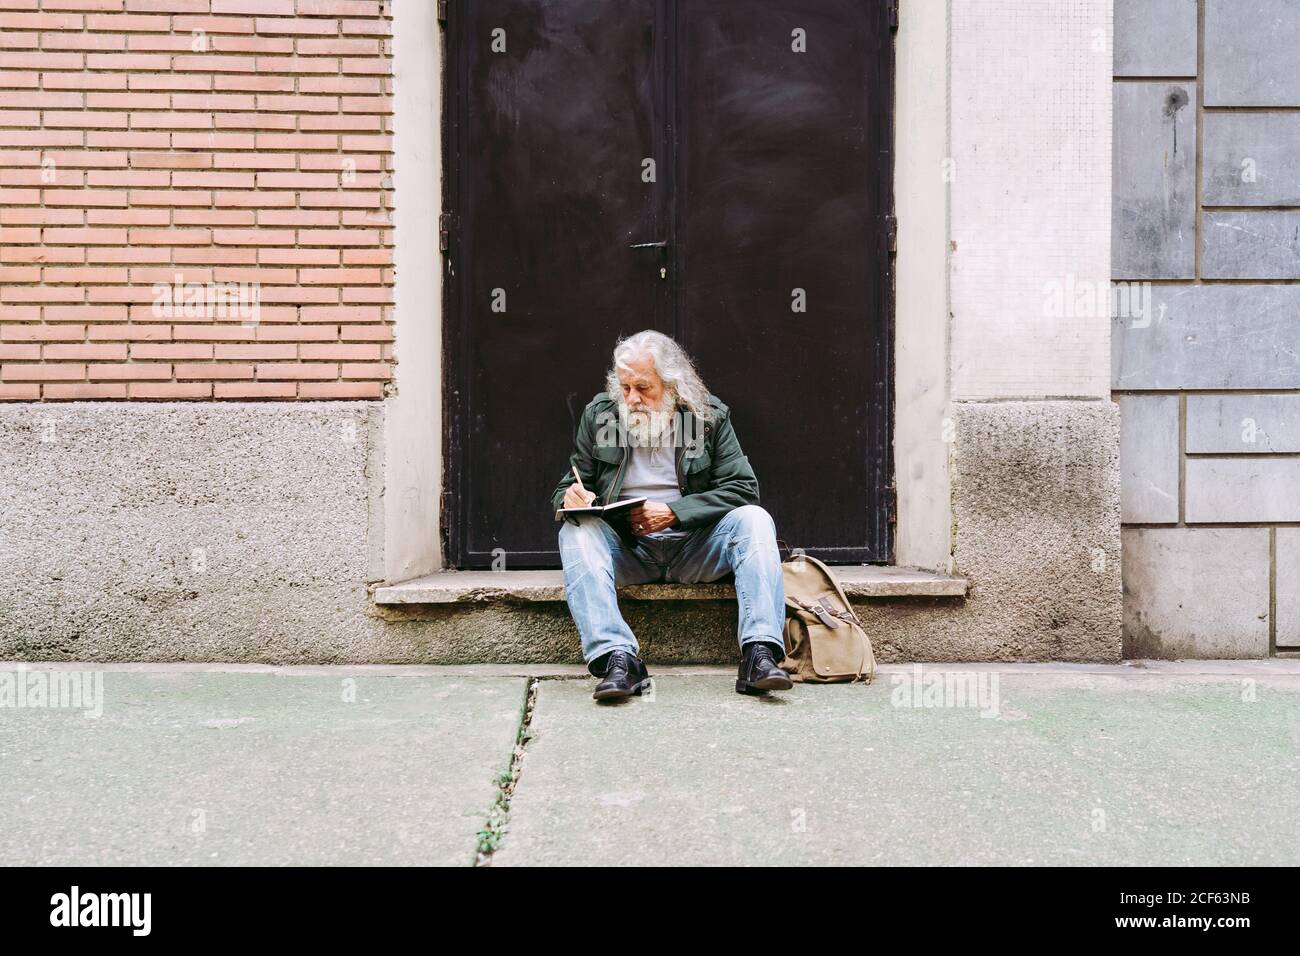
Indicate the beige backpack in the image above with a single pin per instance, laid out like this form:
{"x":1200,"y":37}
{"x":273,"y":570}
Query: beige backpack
{"x":824,"y":640}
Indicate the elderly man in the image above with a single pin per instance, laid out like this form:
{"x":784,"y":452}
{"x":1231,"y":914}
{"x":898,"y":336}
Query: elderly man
{"x":657,"y":433}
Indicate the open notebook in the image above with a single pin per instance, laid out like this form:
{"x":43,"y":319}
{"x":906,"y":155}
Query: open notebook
{"x":613,"y":508}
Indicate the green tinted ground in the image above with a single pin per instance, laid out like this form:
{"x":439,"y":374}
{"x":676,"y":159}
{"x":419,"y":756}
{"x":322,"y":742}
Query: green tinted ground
{"x":1178,"y":764}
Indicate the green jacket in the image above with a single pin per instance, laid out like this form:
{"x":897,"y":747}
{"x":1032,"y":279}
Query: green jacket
{"x":713,"y":474}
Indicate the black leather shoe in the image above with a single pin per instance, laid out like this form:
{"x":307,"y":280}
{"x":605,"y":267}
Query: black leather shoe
{"x":625,"y":675}
{"x":758,"y":670}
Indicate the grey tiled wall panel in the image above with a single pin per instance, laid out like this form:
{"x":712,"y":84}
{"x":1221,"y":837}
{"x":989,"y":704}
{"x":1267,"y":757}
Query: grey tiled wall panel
{"x":1222,"y":490}
{"x":1243,"y":424}
{"x":1250,"y":245}
{"x":1240,"y":147}
{"x":1155,"y":37}
{"x":1288,"y":587}
{"x":1211,"y":337}
{"x":1251,"y":51}
{"x":1196,"y":592}
{"x":1154,"y":206}
{"x":1148,"y":455}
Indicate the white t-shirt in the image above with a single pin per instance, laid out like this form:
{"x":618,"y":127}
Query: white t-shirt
{"x":652,"y":473}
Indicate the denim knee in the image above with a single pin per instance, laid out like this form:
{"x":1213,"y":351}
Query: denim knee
{"x":583,"y":536}
{"x":753,"y":519}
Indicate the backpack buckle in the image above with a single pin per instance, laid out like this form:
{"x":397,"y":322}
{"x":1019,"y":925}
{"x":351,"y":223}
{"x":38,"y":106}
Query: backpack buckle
{"x":826,"y":613}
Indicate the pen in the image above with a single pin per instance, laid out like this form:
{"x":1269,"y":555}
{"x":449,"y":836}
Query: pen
{"x":578,"y":478}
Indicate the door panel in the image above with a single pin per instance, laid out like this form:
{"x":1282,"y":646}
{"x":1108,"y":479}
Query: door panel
{"x":773,"y":173}
{"x":784,"y":165}
{"x":555,"y":129}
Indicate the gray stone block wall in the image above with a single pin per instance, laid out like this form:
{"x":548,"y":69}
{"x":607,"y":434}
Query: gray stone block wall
{"x":1148,"y":454}
{"x":1196,"y":592}
{"x":1250,"y":245}
{"x":1154,"y":227}
{"x":1288,"y":591}
{"x":1155,"y":38}
{"x":1212,"y":335}
{"x":1250,"y":159}
{"x":1207,"y":207}
{"x":1242,"y":490}
{"x":1250,"y":52}
{"x":1243,"y":424}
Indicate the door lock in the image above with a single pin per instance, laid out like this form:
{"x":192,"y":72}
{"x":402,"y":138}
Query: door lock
{"x":661,"y":246}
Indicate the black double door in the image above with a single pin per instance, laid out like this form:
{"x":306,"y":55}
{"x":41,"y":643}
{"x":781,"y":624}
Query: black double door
{"x":719,"y":170}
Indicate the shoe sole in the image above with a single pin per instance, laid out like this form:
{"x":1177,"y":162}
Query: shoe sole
{"x":764,"y":685}
{"x":616,"y":694}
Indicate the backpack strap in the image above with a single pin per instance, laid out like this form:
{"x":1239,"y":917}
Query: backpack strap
{"x":848,"y":613}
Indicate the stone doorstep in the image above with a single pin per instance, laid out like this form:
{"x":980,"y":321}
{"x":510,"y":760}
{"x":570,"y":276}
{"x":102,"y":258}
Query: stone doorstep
{"x":472,"y":587}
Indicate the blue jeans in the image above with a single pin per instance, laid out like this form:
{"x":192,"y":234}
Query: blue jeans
{"x":596,"y":561}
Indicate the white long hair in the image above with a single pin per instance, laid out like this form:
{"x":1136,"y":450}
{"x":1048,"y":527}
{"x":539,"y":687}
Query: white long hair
{"x":671,"y":362}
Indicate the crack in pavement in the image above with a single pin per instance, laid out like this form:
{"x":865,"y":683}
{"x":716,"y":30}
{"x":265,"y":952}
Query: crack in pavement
{"x":489,"y":838}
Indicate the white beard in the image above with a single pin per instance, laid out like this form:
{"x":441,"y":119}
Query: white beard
{"x":645,"y":427}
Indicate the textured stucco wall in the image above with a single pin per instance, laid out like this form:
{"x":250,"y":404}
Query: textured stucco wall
{"x":248,"y":532}
{"x":185,"y":531}
{"x":1207,"y":207}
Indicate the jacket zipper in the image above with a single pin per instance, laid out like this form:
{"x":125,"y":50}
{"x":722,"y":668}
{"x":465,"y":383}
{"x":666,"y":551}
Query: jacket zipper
{"x":681,"y":454}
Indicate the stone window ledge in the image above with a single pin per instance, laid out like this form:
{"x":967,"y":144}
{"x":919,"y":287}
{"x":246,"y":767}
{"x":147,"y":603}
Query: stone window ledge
{"x":471,"y":587}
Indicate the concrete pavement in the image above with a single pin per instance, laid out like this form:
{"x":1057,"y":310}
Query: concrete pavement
{"x":1175,"y":764}
{"x":258,"y":767}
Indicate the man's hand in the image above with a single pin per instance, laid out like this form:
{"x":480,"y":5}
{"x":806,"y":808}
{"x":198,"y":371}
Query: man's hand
{"x":575,"y":497}
{"x":651,"y":517}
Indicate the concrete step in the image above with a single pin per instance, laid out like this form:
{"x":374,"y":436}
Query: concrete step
{"x":474,"y":587}
{"x":464,"y":617}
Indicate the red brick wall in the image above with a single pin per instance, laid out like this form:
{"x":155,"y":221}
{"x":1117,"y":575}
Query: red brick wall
{"x":207,"y":142}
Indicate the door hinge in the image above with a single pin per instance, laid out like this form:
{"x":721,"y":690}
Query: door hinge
{"x":444,"y":228}
{"x":893,"y":15}
{"x":891,"y":232}
{"x":442,"y":11}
